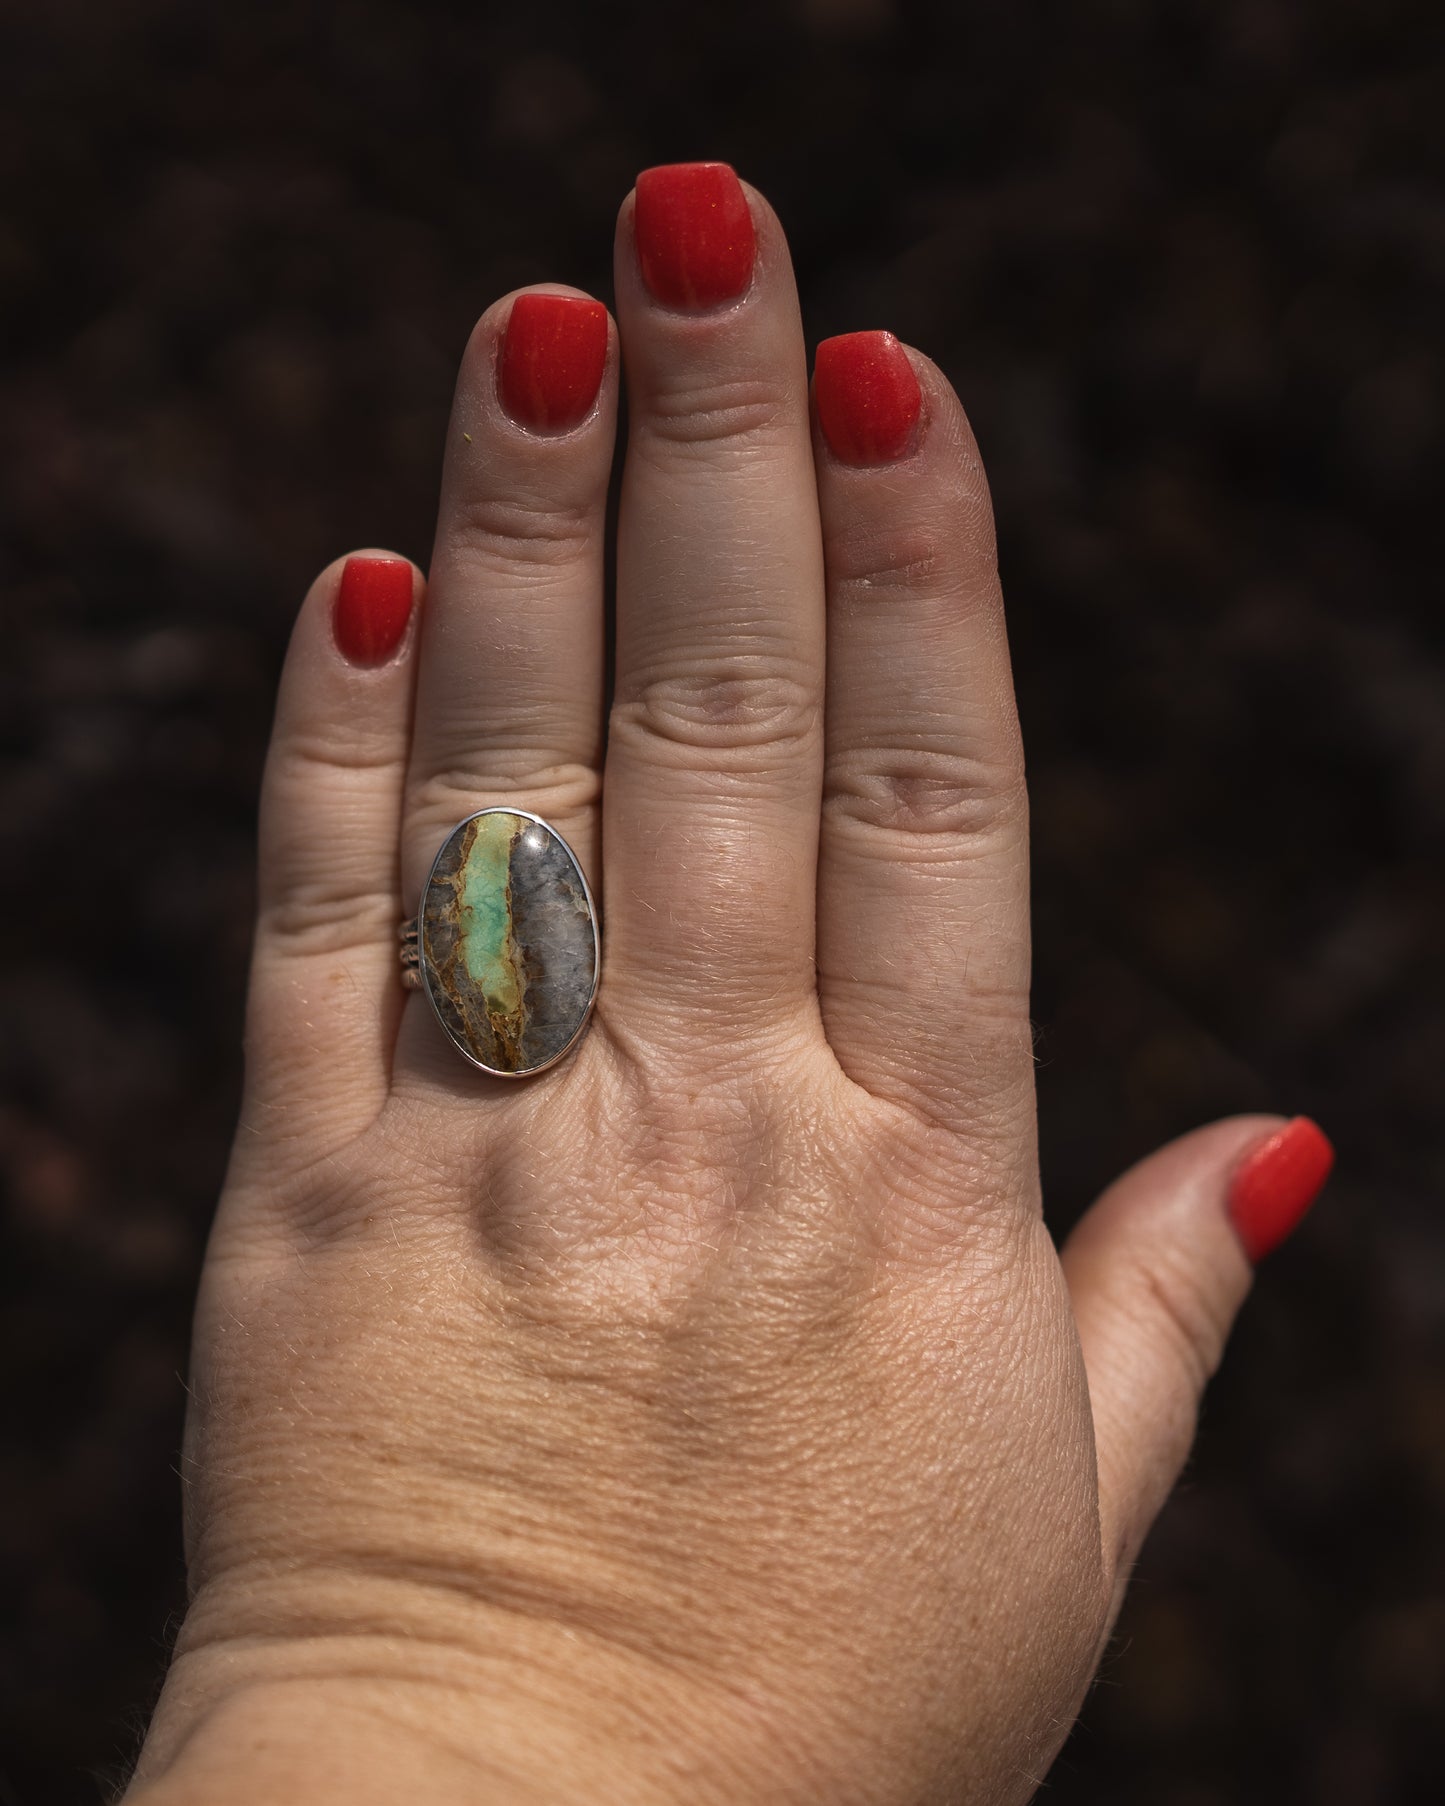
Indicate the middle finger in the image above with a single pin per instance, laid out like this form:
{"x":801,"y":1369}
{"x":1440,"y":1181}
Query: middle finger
{"x":714,"y":765}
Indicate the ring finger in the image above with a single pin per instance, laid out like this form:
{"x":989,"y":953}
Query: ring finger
{"x":510,"y":678}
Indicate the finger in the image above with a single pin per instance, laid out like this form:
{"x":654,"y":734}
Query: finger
{"x":510,"y":666}
{"x":1157,"y":1271}
{"x":923,"y":950}
{"x":324,"y":996}
{"x":714,"y":755}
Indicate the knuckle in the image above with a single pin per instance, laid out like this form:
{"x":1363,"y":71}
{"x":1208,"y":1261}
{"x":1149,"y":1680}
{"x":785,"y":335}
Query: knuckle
{"x":523,"y":531}
{"x":865,"y":555}
{"x":324,"y":916}
{"x":951,"y":558}
{"x":956,"y":800}
{"x":305,"y":757}
{"x":720,"y":710}
{"x":508,"y":779}
{"x":1181,"y":1301}
{"x":555,"y":789}
{"x":723,"y":411}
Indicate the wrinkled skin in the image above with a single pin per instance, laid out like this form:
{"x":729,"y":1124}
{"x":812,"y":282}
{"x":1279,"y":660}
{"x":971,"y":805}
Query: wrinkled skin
{"x":710,"y":1418}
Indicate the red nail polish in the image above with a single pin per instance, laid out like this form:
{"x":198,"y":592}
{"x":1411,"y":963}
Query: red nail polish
{"x":1277,"y":1183}
{"x":868,"y":397}
{"x":694,"y":232}
{"x":373,"y":606}
{"x":550,"y":362}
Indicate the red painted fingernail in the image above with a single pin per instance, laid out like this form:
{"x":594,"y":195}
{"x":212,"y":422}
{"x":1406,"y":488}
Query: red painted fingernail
{"x":1277,"y":1183}
{"x":549,"y":366}
{"x":694,"y":232}
{"x":373,"y":606}
{"x":868,"y":397}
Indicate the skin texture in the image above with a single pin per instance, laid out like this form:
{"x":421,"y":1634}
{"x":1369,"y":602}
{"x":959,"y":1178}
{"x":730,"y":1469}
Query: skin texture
{"x":710,"y":1418}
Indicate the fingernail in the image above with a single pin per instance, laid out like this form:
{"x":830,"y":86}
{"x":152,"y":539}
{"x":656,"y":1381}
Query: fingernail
{"x":549,"y":367}
{"x":1276,"y":1184}
{"x":868,"y":397}
{"x":373,"y":606}
{"x":694,"y":233}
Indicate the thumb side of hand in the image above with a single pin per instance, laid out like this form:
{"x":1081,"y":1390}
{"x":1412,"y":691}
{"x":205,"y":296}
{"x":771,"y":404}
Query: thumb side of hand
{"x":1157,"y":1271}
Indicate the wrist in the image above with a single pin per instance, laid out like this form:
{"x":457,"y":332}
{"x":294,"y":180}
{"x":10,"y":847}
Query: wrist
{"x":309,"y":1741}
{"x":374,"y":1717}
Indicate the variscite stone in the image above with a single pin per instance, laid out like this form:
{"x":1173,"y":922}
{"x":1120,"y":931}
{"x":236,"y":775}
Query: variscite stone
{"x":508,"y":942}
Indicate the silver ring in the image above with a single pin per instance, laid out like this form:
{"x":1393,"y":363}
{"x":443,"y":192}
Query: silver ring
{"x":506,"y":943}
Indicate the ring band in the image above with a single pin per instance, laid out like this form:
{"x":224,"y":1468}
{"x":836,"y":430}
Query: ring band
{"x":410,"y":957}
{"x":506,"y":943}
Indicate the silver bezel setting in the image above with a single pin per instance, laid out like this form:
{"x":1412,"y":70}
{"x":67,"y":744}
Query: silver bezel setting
{"x":414,"y":966}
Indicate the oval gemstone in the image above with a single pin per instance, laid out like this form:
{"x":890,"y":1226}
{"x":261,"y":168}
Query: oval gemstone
{"x":507,"y":940}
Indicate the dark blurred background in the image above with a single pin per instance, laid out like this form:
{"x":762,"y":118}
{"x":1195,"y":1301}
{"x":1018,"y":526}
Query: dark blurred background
{"x":1184,"y":263}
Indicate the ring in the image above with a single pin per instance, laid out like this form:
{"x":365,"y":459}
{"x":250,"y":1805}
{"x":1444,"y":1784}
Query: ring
{"x":506,"y":944}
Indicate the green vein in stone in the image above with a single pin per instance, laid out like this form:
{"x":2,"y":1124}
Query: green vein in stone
{"x":488,"y":950}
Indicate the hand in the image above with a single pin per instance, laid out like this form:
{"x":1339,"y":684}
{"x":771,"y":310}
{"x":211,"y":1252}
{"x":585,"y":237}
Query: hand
{"x":709,"y":1418}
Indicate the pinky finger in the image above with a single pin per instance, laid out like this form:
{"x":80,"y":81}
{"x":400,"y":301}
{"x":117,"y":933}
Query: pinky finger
{"x":325,"y":999}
